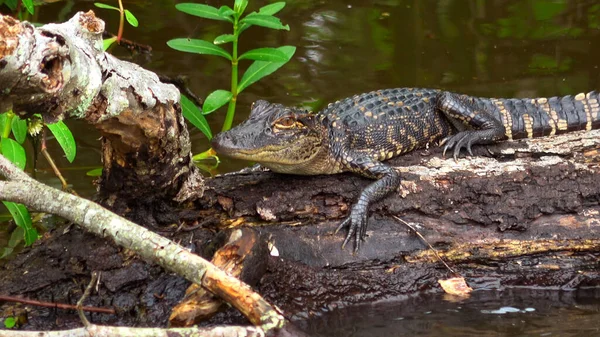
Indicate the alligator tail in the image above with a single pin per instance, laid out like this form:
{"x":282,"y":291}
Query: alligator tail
{"x":539,"y":117}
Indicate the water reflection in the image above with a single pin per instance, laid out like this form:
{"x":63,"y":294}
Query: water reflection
{"x":539,"y":313}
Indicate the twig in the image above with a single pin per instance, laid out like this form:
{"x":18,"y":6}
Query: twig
{"x":44,"y":151}
{"x":180,"y":82}
{"x":55,"y":305}
{"x":425,"y":241}
{"x":86,"y":293}
{"x":131,"y":45}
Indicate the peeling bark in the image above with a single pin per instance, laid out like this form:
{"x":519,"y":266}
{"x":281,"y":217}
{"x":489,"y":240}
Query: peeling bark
{"x":60,"y":71}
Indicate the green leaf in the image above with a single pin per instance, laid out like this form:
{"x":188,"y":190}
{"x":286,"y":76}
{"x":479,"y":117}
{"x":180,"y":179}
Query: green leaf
{"x":106,"y":43}
{"x":12,"y":4}
{"x":264,"y":54}
{"x":264,"y":21}
{"x":29,"y":5}
{"x":260,"y":69}
{"x":225,"y":38}
{"x":6,"y":251}
{"x":2,"y":121}
{"x":198,"y":46}
{"x":239,"y":6}
{"x":271,"y":9}
{"x":131,"y":18}
{"x":14,"y":152}
{"x":94,"y":173}
{"x":203,"y":11}
{"x":31,"y":235}
{"x":16,"y":237}
{"x":105,"y":6}
{"x":10,"y":322}
{"x":226,"y":12}
{"x":215,"y":100}
{"x":19,"y":129}
{"x":195,"y":116}
{"x":22,"y":218}
{"x":65,"y":138}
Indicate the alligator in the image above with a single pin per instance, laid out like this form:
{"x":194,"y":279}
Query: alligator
{"x":358,"y":133}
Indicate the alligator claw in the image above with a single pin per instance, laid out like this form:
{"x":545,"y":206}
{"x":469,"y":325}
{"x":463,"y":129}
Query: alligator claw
{"x":457,"y":142}
{"x":357,"y":228}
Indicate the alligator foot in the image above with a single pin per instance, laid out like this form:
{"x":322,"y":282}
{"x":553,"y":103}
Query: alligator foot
{"x":466,"y":139}
{"x":357,"y":227}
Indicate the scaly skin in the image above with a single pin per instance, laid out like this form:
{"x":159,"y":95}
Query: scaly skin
{"x":358,"y":133}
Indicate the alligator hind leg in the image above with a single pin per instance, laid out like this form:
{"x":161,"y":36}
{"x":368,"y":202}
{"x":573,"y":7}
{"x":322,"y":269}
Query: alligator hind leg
{"x":474,"y":125}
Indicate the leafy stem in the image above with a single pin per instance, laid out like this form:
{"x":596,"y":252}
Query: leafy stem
{"x":234,"y":76}
{"x":266,"y":60}
{"x":121,"y":21}
{"x":8,"y":124}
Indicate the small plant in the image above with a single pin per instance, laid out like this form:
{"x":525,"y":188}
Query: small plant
{"x":10,"y":322}
{"x":12,"y":149}
{"x":266,"y":60}
{"x":124,"y":14}
{"x":17,"y":7}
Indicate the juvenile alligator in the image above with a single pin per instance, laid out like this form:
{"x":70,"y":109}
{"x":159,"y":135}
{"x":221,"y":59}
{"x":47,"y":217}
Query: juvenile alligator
{"x":357,"y":133}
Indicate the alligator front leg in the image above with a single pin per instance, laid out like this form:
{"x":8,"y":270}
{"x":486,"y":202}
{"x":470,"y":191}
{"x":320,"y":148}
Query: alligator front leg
{"x":388,"y":180}
{"x":475,"y":125}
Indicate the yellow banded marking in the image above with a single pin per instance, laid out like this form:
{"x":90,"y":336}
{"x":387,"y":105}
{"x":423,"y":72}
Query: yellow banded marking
{"x":506,"y":117}
{"x":562,"y":124}
{"x":586,"y":107}
{"x":595,"y":107}
{"x":588,"y":115}
{"x":543,"y":103}
{"x":528,"y":122}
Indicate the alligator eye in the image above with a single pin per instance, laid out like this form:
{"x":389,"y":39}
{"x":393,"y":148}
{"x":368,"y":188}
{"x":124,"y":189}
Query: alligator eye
{"x":286,"y":123}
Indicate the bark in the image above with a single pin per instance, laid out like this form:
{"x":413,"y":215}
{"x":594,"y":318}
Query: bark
{"x":528,"y":216}
{"x":148,"y":245}
{"x":60,"y":71}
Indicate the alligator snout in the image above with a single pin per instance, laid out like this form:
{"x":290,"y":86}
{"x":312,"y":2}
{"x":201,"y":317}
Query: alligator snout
{"x":223,"y":141}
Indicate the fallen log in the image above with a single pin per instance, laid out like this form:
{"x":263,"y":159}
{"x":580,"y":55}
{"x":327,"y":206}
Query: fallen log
{"x":526,"y":216}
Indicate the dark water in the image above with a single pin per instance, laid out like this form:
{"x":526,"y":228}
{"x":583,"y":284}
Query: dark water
{"x":486,"y":48}
{"x":516,"y":312}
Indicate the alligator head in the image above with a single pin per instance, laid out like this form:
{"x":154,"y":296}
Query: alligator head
{"x":286,"y":140}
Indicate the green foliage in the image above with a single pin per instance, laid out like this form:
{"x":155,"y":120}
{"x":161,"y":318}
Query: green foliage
{"x":125,"y":14}
{"x":131,"y":19}
{"x":265,"y":54}
{"x":105,"y":6}
{"x":10,"y":322}
{"x":194,"y":115}
{"x":95,"y":172}
{"x":23,"y":219}
{"x":15,"y":152}
{"x":266,"y":60}
{"x":204,"y":11}
{"x":198,"y":47}
{"x":26,"y":10}
{"x":106,"y":43}
{"x":19,"y":129}
{"x":215,"y":100}
{"x":29,"y":5}
{"x":260,"y":69}
{"x":65,"y":138}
